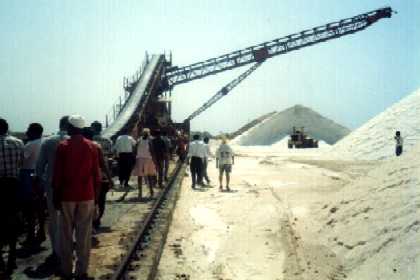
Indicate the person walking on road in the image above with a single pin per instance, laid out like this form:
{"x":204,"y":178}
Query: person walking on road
{"x":11,"y":159}
{"x":106,"y":143}
{"x":224,"y":161}
{"x":206,"y":159}
{"x":168,"y":144}
{"x":31,"y":195}
{"x":124,"y":148}
{"x":196,"y":154}
{"x":106,"y":178}
{"x":399,"y":141}
{"x":161,"y":153}
{"x":76,"y":183}
{"x":44,"y":174}
{"x":181,"y":146}
{"x":145,"y":166}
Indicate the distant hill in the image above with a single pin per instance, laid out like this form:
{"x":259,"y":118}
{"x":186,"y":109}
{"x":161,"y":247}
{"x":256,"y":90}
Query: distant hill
{"x":279,"y":125}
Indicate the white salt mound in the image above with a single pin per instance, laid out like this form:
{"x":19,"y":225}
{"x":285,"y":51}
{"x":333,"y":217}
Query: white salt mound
{"x":374,"y":222}
{"x":375,"y":139}
{"x":280,"y":125}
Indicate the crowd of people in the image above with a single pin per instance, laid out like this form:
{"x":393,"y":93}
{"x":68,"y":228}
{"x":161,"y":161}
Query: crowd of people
{"x":65,"y":178}
{"x":147,"y":158}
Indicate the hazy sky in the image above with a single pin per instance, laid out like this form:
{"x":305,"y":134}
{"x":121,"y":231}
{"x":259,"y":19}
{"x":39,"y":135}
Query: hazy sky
{"x":65,"y":57}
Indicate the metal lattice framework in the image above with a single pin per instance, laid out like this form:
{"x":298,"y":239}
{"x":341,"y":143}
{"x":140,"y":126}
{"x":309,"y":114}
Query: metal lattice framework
{"x":224,"y":91}
{"x":258,"y":53}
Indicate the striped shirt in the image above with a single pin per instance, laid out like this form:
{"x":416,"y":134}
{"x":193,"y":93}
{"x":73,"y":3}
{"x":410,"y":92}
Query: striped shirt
{"x":11,"y":156}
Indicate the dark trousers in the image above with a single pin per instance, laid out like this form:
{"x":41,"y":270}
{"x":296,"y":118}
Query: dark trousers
{"x":27,"y":201}
{"x":160,"y":168}
{"x":398,"y":150}
{"x":196,"y":167}
{"x":8,"y":216}
{"x":101,"y":203}
{"x":205,"y":175}
{"x":125,"y":165}
{"x":181,"y":155}
{"x":165,"y":168}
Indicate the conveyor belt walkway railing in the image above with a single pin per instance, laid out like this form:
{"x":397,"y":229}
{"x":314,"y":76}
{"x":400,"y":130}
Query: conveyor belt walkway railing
{"x":129,"y":84}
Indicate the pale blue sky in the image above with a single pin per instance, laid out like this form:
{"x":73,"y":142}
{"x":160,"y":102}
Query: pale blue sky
{"x":64,"y":57}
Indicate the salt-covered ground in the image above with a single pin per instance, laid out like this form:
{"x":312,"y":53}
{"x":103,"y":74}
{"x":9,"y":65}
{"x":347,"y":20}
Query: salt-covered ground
{"x":299,"y":215}
{"x":373,"y":222}
{"x":349,"y":211}
{"x":245,"y":233}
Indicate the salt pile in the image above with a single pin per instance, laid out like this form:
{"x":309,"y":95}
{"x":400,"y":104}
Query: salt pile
{"x":251,"y":124}
{"x":373,"y":223}
{"x":280,"y":125}
{"x":374,"y":140}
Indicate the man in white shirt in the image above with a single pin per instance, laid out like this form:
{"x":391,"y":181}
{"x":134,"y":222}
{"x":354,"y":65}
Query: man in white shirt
{"x":196,"y":154}
{"x":224,"y":161}
{"x":124,"y":149}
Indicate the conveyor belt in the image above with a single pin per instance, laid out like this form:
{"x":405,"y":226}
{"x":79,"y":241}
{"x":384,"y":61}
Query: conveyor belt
{"x":135,"y":105}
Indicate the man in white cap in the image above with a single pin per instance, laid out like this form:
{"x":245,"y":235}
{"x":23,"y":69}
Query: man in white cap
{"x":76,"y":183}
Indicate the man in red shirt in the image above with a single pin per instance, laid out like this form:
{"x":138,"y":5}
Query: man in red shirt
{"x":182,"y":142}
{"x":75,"y":185}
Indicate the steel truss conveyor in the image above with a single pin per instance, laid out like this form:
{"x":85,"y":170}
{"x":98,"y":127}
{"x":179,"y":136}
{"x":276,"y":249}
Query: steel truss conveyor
{"x":160,"y":76}
{"x":135,"y":105}
{"x":258,"y":53}
{"x":224,"y":91}
{"x":261,"y":52}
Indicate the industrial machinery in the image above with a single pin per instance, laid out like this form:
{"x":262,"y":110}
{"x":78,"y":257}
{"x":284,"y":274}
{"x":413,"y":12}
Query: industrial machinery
{"x":300,"y":140}
{"x":148,"y":93}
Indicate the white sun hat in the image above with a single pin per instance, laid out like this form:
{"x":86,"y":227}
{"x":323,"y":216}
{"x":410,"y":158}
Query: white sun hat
{"x":77,"y":121}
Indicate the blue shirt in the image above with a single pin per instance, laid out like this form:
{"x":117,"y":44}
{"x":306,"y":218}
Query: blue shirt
{"x":45,"y":164}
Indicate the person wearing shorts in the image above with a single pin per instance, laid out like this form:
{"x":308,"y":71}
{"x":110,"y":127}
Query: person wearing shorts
{"x":145,"y":166}
{"x":224,"y":162}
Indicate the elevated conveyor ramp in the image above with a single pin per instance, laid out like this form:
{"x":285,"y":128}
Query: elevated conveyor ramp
{"x":134,"y":107}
